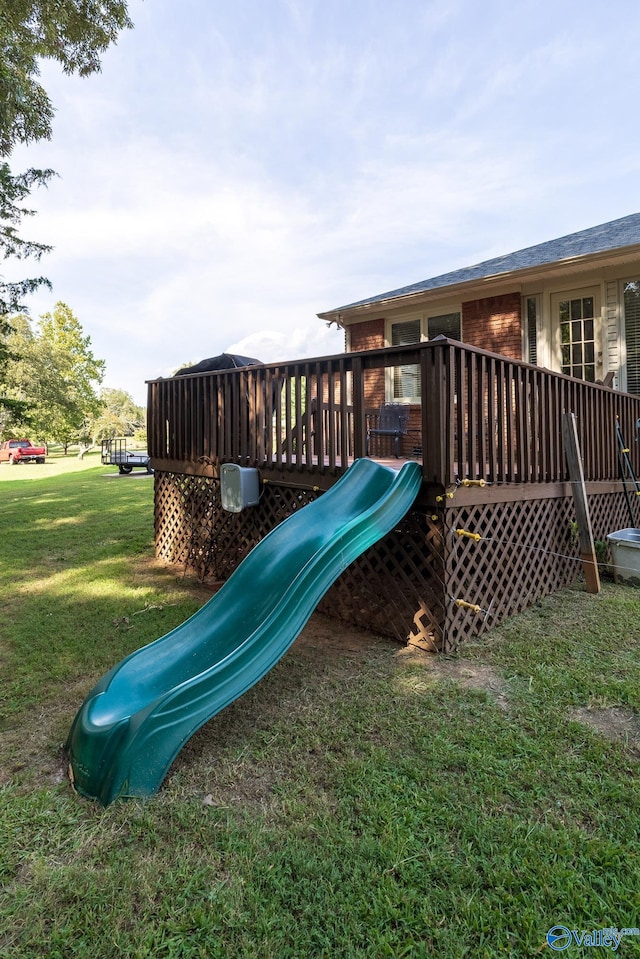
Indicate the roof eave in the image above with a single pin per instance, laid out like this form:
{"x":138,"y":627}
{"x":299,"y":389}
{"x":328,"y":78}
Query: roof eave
{"x":574,"y":264}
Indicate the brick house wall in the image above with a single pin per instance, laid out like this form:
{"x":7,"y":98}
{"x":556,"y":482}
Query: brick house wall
{"x":491,"y":323}
{"x":370,"y":336}
{"x":494,"y":323}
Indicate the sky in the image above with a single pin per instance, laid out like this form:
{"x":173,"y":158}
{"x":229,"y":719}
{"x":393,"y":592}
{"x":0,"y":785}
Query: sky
{"x":237,"y":168}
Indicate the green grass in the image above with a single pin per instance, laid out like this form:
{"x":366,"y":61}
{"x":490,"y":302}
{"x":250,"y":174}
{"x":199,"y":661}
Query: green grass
{"x":55,"y":464}
{"x":361,"y":801}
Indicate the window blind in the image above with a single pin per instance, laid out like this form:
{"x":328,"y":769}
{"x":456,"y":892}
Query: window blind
{"x":406,"y":379}
{"x":632,"y":334}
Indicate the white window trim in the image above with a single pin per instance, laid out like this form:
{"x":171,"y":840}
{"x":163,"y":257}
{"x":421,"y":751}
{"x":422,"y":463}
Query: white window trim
{"x":423,"y":316}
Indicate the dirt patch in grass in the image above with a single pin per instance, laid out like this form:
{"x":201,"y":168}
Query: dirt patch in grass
{"x":335,"y":640}
{"x":330,"y":659}
{"x":327,"y":658}
{"x":473,"y":676}
{"x":465,"y":672}
{"x":616,"y":723}
{"x":32,"y":745}
{"x":324,"y":662}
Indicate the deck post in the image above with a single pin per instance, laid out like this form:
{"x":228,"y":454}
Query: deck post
{"x":434,"y":430}
{"x":576,"y":477}
{"x":359,"y":424}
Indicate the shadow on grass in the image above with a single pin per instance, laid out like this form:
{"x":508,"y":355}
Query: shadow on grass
{"x":362,"y":800}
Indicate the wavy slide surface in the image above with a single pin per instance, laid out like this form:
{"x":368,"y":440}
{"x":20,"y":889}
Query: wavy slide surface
{"x":136,"y":719}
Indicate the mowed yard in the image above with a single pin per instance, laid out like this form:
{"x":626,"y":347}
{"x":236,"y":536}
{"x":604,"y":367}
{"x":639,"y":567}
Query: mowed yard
{"x":364,"y":800}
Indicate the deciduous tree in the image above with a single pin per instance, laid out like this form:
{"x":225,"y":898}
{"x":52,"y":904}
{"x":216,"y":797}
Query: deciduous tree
{"x":55,"y":375}
{"x":119,"y":416}
{"x":75,"y":33}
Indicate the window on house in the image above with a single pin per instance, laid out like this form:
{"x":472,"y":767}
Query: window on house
{"x":406,"y":379}
{"x":632,"y":334}
{"x":577,"y":337}
{"x":448,"y":324}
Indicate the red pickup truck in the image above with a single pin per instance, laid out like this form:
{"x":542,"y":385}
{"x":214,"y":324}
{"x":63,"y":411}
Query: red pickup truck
{"x":21,"y":451}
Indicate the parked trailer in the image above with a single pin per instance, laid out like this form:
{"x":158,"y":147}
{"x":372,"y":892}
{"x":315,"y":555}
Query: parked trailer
{"x":115,"y":453}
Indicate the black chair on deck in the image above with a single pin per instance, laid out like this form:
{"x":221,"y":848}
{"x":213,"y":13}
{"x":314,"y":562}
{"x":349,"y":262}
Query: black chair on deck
{"x":392,"y":420}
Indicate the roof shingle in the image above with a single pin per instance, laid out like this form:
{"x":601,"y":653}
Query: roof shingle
{"x":614,"y":235}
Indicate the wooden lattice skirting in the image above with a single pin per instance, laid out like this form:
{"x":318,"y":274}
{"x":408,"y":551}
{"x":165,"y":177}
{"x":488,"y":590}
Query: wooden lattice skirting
{"x":406,"y":585}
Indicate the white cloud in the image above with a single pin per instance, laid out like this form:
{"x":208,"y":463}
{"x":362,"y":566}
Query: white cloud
{"x":274,"y":346}
{"x":231,"y":174}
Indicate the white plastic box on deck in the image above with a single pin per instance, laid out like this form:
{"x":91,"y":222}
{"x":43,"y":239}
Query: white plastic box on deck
{"x":625,"y":552}
{"x":239,"y":487}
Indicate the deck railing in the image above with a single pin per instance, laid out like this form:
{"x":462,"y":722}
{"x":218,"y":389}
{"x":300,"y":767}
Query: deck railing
{"x":478,"y":415}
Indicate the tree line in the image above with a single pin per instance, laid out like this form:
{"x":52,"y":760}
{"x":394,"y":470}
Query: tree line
{"x":51,"y":385}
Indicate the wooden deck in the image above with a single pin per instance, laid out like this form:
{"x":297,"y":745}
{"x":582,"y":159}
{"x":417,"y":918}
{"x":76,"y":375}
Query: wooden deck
{"x":481,"y":419}
{"x":480,"y":416}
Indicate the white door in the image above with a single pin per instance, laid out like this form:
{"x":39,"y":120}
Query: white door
{"x":577,"y":327}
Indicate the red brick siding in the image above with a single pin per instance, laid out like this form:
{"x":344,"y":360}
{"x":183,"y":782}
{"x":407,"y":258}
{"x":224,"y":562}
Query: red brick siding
{"x":367,"y":336}
{"x":370,"y":336}
{"x":494,"y":323}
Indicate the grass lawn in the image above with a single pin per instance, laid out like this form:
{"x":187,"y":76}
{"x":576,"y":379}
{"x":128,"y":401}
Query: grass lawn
{"x":362,"y":801}
{"x":55,"y":464}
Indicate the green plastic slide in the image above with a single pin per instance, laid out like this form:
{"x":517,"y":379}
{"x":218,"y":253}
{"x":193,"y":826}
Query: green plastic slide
{"x":136,"y":719}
